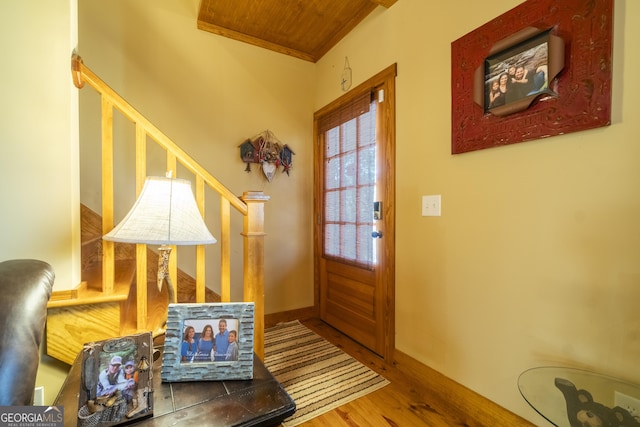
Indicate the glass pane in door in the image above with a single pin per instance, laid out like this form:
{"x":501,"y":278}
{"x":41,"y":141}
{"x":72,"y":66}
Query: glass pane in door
{"x":349,"y":189}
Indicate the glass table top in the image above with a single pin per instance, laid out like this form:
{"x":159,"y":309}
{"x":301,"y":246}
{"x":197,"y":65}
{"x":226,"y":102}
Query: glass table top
{"x":569,"y":397}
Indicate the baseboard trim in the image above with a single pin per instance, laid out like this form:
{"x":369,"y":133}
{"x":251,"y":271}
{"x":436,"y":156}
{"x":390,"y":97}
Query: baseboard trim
{"x":68,"y":294}
{"x":465,"y":404}
{"x":287,"y":316}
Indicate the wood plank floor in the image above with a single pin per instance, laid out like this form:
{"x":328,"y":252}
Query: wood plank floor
{"x":417,"y":395}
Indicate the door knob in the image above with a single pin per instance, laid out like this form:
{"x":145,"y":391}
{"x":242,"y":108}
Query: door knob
{"x":376,"y":234}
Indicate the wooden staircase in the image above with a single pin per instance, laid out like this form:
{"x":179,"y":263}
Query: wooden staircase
{"x":116,"y":296}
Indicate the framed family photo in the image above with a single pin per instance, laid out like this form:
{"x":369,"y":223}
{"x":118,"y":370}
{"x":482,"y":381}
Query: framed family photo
{"x":209,"y":342}
{"x":518,"y":70}
{"x":561,"y":51}
{"x":116,"y":382}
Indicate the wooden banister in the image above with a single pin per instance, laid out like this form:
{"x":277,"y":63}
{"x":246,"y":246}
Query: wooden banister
{"x":86,"y":75}
{"x":251,"y":207}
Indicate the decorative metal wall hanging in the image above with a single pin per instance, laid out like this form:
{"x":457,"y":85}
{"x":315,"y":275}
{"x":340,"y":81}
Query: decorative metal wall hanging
{"x":267,"y":150}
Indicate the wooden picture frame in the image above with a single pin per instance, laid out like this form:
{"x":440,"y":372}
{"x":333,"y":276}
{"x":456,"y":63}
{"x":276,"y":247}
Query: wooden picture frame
{"x":192,"y":351}
{"x":116,"y":384}
{"x":579,"y":95}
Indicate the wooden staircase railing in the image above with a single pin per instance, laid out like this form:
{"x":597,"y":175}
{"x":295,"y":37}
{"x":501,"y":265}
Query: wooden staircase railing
{"x":250,"y":205}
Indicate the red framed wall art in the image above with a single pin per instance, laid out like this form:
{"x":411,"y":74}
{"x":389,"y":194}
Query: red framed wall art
{"x":564,"y":50}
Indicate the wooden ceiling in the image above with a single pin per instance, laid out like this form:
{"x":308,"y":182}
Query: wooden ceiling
{"x":305,"y":29}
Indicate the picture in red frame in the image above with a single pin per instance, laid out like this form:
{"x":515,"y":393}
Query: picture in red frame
{"x":519,"y":70}
{"x":581,"y":97}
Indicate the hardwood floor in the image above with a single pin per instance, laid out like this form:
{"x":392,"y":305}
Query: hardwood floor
{"x":417,"y":395}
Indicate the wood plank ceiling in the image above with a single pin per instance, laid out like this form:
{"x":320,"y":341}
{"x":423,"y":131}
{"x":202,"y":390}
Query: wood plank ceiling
{"x":305,"y":29}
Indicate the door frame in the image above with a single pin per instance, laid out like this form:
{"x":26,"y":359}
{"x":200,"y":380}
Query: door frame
{"x":386,"y":270}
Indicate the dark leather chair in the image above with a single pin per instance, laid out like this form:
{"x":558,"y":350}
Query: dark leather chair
{"x":25,"y":288}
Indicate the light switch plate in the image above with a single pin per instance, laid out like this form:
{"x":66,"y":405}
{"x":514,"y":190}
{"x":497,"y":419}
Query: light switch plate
{"x":431,"y":205}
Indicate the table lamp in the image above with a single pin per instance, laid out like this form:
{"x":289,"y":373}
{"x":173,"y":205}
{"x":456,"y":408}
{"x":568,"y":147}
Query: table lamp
{"x":165,"y":213}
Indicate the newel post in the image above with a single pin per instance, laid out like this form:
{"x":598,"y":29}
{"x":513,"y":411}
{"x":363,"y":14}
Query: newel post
{"x":253,"y":233}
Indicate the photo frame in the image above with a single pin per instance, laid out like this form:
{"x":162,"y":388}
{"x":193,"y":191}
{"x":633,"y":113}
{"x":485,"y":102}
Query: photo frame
{"x":209,"y":342}
{"x":116,"y":384}
{"x":578,"y":97}
{"x":518,"y":70}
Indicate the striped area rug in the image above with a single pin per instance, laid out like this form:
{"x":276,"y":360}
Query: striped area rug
{"x":316,"y":374}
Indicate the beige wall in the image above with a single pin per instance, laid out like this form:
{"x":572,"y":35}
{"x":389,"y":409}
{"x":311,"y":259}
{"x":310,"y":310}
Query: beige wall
{"x":38,"y":137}
{"x":535,"y":258}
{"x":39,"y":146}
{"x":209,"y":94}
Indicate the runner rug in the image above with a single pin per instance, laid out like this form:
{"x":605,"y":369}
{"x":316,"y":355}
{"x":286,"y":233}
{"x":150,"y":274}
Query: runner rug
{"x":316,"y":374}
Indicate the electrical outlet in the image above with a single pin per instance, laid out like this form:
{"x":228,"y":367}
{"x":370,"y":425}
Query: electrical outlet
{"x":38,"y":396}
{"x":627,"y":402}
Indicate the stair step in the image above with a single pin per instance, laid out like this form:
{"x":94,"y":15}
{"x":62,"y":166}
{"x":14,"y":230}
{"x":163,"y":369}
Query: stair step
{"x":70,"y":327}
{"x":90,"y":291}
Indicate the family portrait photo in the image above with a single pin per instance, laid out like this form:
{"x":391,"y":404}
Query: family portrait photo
{"x":209,"y":340}
{"x":115,"y":381}
{"x":517,"y":72}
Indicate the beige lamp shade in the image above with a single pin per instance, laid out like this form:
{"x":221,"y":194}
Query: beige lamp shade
{"x":165,"y":214}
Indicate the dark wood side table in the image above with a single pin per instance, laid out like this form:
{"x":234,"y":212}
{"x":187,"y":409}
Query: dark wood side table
{"x":258,"y":402}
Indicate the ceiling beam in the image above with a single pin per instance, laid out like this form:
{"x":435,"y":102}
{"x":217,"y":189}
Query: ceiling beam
{"x":235,"y":35}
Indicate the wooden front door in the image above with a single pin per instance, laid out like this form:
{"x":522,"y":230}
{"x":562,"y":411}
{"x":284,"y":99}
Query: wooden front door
{"x":355,"y":215}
